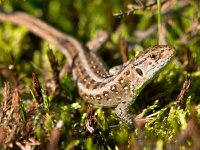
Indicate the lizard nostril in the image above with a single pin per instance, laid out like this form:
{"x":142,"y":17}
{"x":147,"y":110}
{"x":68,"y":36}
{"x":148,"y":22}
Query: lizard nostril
{"x":139,"y":71}
{"x":153,"y":56}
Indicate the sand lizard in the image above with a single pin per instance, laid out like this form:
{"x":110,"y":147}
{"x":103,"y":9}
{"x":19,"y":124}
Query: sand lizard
{"x":95,"y":83}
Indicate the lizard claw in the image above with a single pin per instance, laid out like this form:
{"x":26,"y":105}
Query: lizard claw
{"x":140,"y":120}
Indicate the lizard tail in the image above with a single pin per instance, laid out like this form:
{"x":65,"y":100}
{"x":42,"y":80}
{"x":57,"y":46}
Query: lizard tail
{"x":69,"y":46}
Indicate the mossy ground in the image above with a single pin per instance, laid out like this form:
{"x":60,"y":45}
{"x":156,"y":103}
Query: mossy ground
{"x":55,"y":117}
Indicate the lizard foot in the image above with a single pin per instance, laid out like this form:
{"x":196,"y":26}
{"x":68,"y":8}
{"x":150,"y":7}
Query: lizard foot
{"x":140,"y":120}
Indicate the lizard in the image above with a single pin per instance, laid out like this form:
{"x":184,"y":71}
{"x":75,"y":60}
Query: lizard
{"x":95,"y":84}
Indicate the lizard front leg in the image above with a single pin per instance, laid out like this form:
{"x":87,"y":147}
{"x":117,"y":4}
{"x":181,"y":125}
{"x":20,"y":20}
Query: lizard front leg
{"x":122,"y":111}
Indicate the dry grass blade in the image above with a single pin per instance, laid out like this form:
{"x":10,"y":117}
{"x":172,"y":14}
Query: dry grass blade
{"x":13,"y":71}
{"x":37,"y":89}
{"x":54,"y":66}
{"x":6,"y":97}
{"x":16,"y":105}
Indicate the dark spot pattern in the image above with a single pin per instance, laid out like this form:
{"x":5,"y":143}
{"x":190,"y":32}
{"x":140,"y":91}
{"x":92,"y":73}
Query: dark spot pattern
{"x":127,"y":72}
{"x":105,"y":93}
{"x":96,"y":85}
{"x":153,"y":56}
{"x":113,"y":87}
{"x":121,"y":80}
{"x":98,"y":97}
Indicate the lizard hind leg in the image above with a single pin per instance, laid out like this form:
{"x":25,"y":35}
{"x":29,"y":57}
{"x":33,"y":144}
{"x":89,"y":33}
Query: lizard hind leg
{"x":95,"y":44}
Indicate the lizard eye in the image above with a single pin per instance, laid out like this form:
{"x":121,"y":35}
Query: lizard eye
{"x":139,"y":71}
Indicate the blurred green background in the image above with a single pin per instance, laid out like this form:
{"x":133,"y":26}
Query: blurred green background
{"x":83,"y":19}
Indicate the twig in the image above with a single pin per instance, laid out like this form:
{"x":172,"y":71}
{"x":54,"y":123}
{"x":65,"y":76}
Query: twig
{"x":123,"y":49}
{"x":184,"y":90}
{"x":133,"y":7}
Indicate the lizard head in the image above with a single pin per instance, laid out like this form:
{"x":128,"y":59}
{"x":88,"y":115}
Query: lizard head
{"x":149,"y":63}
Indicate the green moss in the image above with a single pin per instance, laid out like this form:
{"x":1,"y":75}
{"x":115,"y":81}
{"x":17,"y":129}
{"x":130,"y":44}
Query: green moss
{"x":82,"y":20}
